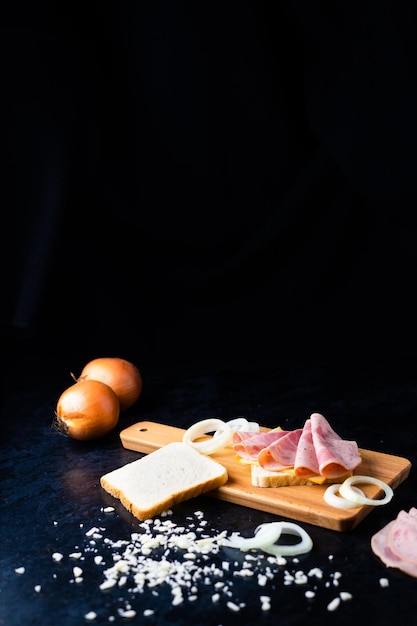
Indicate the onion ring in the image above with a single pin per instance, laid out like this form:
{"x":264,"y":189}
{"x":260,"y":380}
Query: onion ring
{"x":340,"y":502}
{"x":242,"y":424}
{"x":289,"y":528}
{"x":268,"y":534}
{"x":203,"y":427}
{"x":346,"y":490}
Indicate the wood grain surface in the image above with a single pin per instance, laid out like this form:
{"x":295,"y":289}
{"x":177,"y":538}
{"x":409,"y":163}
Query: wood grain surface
{"x":302,"y":503}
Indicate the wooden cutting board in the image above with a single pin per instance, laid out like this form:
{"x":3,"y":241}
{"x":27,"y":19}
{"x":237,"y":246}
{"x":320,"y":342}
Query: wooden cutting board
{"x":302,"y":503}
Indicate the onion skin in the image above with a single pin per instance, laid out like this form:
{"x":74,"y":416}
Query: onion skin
{"x":122,"y":376}
{"x":87,"y":410}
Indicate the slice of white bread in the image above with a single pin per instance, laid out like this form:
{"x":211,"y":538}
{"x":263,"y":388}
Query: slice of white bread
{"x":261,"y":477}
{"x":155,"y":482}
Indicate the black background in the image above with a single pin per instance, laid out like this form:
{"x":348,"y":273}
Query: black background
{"x":223,"y":193}
{"x":202,"y":183}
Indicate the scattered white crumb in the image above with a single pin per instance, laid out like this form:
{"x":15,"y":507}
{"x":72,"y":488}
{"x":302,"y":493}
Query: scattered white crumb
{"x":345,"y":595}
{"x":75,"y":555}
{"x":316,"y":572}
{"x":160,"y":552}
{"x":90,"y":616}
{"x":333,"y":604}
{"x":265,"y":603}
{"x":128,"y":613}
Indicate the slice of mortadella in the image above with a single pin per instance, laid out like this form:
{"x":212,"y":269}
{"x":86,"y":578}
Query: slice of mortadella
{"x":335,"y":456}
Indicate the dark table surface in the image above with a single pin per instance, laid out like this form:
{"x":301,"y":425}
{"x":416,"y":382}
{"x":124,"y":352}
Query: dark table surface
{"x":51,"y":497}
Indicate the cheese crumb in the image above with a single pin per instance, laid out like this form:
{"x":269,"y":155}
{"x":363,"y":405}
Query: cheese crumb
{"x":90,"y":616}
{"x":334,"y":604}
{"x":129,"y":613}
{"x":316,"y":571}
{"x":160,"y":553}
{"x":345,"y":595}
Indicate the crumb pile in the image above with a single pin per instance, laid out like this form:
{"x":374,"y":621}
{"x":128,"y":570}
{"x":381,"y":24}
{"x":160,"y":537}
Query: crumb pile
{"x":184,"y":563}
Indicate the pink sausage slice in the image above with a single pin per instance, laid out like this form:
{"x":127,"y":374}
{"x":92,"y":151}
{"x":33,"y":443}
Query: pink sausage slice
{"x":336,"y":456}
{"x":402,"y":537}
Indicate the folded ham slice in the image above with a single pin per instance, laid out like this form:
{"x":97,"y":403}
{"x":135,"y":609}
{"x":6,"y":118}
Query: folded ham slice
{"x":248,"y":445}
{"x":280,"y":454}
{"x":315,"y":449}
{"x":306,"y":462}
{"x":403,"y":537}
{"x":335,"y":455}
{"x":396,"y":543}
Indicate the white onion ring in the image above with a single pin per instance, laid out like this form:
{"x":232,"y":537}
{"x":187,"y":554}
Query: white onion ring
{"x":266,"y":536}
{"x":340,"y":502}
{"x":347,"y":491}
{"x":241,"y":424}
{"x":289,"y":528}
{"x":203,"y":427}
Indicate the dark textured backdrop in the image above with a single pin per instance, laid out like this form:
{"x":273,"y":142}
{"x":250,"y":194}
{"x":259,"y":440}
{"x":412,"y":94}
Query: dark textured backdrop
{"x":210,"y":182}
